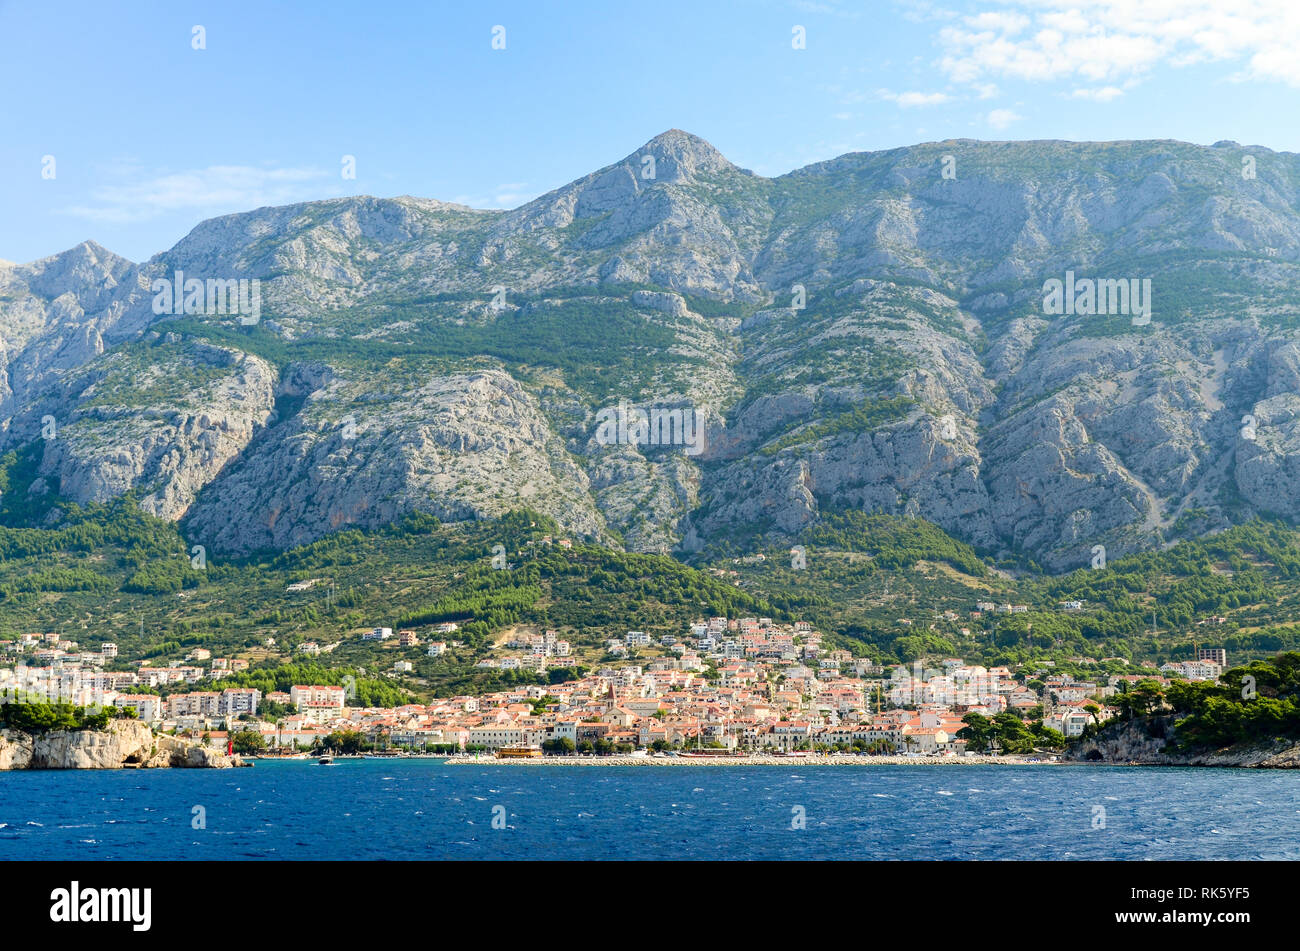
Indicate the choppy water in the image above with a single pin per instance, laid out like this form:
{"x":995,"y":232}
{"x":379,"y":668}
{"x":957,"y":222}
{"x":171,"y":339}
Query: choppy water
{"x":422,"y":809}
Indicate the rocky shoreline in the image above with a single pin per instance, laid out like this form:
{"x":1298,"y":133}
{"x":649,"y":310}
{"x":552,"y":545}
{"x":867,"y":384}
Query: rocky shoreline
{"x":1142,"y":742}
{"x":123,"y":744}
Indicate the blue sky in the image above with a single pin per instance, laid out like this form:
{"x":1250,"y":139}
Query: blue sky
{"x":149,"y":135}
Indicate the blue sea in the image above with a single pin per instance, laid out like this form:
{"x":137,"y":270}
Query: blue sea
{"x":424,"y":809}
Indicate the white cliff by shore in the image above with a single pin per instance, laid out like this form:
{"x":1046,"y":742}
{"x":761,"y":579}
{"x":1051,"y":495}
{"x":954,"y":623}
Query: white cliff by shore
{"x":1143,"y":742}
{"x":122,"y":744}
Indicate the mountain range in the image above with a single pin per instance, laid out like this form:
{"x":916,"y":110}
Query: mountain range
{"x":867,"y":333}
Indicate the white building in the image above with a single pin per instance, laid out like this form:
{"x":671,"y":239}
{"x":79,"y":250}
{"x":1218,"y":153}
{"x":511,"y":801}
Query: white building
{"x":495,"y":737}
{"x":147,"y":706}
{"x":319,"y":703}
{"x":237,"y":700}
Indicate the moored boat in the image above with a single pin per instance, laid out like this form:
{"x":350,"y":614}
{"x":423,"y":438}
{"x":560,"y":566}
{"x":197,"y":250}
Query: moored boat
{"x":519,"y":752}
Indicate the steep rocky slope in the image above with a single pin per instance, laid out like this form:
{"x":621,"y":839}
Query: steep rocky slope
{"x":865,"y":332}
{"x":1142,"y":742}
{"x":121,"y":743}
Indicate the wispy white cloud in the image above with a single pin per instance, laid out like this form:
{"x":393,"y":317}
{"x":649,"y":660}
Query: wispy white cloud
{"x":829,"y":8}
{"x":217,"y":188}
{"x":1112,"y":41}
{"x":922,"y":11}
{"x":507,"y":195}
{"x":1004,"y":21}
{"x":910,"y":100}
{"x":1001,"y":118}
{"x":1102,"y":94}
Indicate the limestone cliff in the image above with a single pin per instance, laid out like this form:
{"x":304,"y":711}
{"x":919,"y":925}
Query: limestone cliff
{"x":122,"y":743}
{"x":1143,"y":742}
{"x":862,"y":333}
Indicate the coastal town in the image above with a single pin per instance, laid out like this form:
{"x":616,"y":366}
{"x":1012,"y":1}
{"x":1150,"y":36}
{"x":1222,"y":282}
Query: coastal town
{"x":721,"y":685}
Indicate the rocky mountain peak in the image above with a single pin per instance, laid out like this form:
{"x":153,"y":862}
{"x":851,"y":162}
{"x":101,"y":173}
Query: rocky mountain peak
{"x":867,"y":333}
{"x":680,"y":155}
{"x":87,"y":262}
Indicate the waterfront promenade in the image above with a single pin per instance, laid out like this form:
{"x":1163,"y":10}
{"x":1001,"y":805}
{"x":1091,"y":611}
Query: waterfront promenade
{"x":760,"y":759}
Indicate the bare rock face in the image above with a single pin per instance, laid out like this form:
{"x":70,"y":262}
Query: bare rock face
{"x":469,"y":445}
{"x":863,"y":333}
{"x":56,"y":315}
{"x":1143,"y":741}
{"x":1268,"y":437}
{"x":905,"y":469}
{"x":163,"y":425}
{"x":645,"y":500}
{"x":1132,"y":741}
{"x":15,"y":749}
{"x":186,"y":754}
{"x":121,"y":743}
